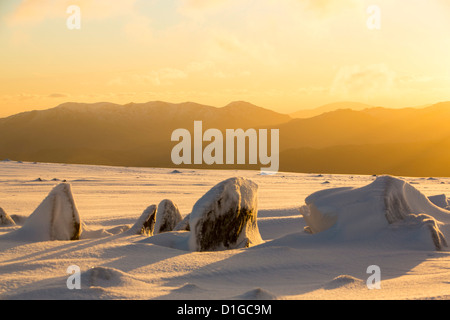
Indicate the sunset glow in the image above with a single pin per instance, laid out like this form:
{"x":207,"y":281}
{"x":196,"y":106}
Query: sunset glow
{"x":284,"y":55}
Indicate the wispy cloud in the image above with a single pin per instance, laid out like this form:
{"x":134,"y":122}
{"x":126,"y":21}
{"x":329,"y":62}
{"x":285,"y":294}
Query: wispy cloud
{"x":363,"y":81}
{"x":163,"y":76}
{"x":36,"y":11}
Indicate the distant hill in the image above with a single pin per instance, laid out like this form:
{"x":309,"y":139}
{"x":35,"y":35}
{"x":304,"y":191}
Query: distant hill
{"x":410,"y":141}
{"x":374,"y":140}
{"x":308,"y":113}
{"x":112,"y":134}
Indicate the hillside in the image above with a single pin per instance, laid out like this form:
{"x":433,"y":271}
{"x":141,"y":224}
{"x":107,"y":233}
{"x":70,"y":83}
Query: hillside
{"x":409,"y":141}
{"x":111,"y":134}
{"x":308,"y":113}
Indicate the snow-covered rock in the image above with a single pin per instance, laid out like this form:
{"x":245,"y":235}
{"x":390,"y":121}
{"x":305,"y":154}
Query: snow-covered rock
{"x":5,"y":219}
{"x":225,"y":217}
{"x":56,"y":218}
{"x":354,"y":213}
{"x":146,"y":223}
{"x":441,"y":201}
{"x":183,"y":225}
{"x":167,"y":217}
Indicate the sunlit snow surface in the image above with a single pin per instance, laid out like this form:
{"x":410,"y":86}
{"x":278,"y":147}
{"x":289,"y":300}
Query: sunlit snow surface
{"x":288,"y":265}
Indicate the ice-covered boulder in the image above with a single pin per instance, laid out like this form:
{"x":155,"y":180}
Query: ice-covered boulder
{"x":56,"y":218}
{"x":388,"y":202}
{"x":5,"y":219}
{"x":146,"y":223}
{"x":167,"y":217}
{"x":225,"y":217}
{"x":441,"y":201}
{"x":183,"y":225}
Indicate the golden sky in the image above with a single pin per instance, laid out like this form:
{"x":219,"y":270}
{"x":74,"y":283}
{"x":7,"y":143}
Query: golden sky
{"x":285,"y":55}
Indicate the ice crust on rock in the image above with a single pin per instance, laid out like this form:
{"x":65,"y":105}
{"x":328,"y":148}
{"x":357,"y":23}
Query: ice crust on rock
{"x":441,"y":201}
{"x":225,"y":217}
{"x":5,"y":219}
{"x":56,"y":218}
{"x":388,"y":202}
{"x":183,"y":225}
{"x":145,"y":225}
{"x":167,"y":217}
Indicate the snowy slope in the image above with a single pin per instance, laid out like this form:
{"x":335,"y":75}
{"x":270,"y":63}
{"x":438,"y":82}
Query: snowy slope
{"x":289,"y":264}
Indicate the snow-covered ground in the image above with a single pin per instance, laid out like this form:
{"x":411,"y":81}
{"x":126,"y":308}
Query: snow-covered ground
{"x":289,"y":264}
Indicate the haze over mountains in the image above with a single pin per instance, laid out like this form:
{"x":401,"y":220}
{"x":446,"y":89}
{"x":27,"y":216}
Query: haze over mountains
{"x":358,"y":139}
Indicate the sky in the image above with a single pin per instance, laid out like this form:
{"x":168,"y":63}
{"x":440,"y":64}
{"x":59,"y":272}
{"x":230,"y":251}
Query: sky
{"x":285,"y":55}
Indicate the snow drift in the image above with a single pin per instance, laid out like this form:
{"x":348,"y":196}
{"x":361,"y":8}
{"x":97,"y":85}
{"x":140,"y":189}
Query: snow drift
{"x":356,"y":213}
{"x":56,"y":218}
{"x":225,"y":217}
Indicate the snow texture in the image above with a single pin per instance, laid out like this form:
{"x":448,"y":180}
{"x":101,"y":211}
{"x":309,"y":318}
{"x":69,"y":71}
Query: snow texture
{"x":364,"y":212}
{"x":289,"y":265}
{"x":56,"y":218}
{"x":167,"y":217}
{"x":226,"y":217}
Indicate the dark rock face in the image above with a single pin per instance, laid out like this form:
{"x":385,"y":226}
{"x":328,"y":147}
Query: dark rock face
{"x":225,"y":217}
{"x":167,"y":217}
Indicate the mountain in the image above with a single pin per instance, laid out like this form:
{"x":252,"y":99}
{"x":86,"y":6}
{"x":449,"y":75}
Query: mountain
{"x":406,"y":142}
{"x":308,"y":113}
{"x":112,"y":134}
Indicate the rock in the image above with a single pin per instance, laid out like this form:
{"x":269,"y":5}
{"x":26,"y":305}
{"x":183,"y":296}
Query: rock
{"x":56,"y":218}
{"x":183,"y":225}
{"x":146,"y":223}
{"x":167,"y":217}
{"x":5,"y":219}
{"x":225,"y":217}
{"x":441,"y":201}
{"x":386,"y":205}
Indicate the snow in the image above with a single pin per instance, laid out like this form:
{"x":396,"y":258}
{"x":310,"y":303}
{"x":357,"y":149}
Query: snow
{"x":289,"y":263}
{"x":386,"y":206}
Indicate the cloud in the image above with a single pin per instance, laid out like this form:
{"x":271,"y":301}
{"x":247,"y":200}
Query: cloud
{"x":58,"y":95}
{"x":36,"y":11}
{"x":328,"y":6}
{"x":139,"y":29}
{"x":363,"y":81}
{"x":163,"y":76}
{"x":198,"y":9}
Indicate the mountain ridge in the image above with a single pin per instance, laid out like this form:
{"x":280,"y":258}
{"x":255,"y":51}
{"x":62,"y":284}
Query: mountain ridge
{"x":139,"y":134}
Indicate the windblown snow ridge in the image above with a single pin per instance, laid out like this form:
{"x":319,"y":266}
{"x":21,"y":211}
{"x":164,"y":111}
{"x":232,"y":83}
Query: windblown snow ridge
{"x":387,"y":203}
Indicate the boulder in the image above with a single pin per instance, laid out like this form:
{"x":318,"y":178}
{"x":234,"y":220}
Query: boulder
{"x":56,"y":218}
{"x":388,"y":204}
{"x":5,"y":219}
{"x":225,"y":217}
{"x":146,"y":223}
{"x":167,"y":217}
